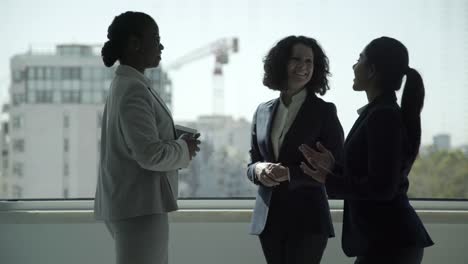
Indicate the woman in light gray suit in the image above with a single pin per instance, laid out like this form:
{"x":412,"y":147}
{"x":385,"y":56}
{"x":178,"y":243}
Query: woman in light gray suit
{"x":140,"y":154}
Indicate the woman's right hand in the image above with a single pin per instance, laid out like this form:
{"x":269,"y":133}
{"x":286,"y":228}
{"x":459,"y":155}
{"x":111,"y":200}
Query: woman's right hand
{"x":321,"y":162}
{"x":192,"y":142}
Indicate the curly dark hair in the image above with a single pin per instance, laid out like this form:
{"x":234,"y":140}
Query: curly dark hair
{"x":276,"y":61}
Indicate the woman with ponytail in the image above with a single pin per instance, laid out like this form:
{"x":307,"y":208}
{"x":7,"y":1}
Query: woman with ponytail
{"x":139,"y":153}
{"x":379,"y":224}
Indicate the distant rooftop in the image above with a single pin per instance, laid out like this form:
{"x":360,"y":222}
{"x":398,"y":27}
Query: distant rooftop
{"x":69,"y":50}
{"x":74,"y":50}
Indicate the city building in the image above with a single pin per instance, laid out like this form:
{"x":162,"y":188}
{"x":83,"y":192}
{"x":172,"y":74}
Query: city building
{"x":51,"y":137}
{"x":219,"y":170}
{"x":442,"y":142}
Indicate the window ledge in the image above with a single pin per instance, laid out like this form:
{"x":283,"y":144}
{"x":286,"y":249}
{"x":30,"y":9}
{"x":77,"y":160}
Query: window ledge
{"x":206,"y":211}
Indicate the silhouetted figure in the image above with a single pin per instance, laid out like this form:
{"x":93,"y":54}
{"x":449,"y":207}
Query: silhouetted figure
{"x":379,"y":224}
{"x":291,"y":214}
{"x":140,"y":154}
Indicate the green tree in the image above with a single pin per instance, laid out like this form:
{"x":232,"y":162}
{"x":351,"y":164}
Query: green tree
{"x":440,"y":174}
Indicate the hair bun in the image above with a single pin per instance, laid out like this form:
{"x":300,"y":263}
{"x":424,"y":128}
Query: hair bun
{"x":109,"y":54}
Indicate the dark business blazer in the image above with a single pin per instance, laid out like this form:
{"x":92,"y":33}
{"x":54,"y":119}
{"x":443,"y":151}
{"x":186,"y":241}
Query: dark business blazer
{"x":302,"y":201}
{"x":373,"y":181}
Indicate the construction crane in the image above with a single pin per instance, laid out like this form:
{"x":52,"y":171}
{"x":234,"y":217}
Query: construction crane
{"x":221,"y":49}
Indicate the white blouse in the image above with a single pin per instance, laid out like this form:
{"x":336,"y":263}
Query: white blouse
{"x":284,"y":118}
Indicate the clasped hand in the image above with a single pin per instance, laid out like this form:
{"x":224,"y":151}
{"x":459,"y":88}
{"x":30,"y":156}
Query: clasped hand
{"x":192,"y":142}
{"x":271,"y":174}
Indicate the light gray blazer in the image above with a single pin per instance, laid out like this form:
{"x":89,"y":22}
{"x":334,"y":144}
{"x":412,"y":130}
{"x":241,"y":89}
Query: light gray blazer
{"x":139,"y":152}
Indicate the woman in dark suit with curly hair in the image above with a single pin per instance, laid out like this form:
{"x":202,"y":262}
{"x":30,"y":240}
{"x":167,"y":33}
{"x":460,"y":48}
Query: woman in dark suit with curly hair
{"x":291,"y":214}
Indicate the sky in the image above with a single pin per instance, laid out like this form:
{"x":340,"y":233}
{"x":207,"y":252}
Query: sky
{"x":434,"y":31}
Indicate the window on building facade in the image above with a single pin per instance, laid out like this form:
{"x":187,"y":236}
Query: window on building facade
{"x":18,"y":145}
{"x":17,"y":121}
{"x":5,"y":163}
{"x":44,"y":96}
{"x":86,"y":97}
{"x":66,"y":121}
{"x":47,"y":73}
{"x":40,"y":73}
{"x":71,"y":96}
{"x":86,"y":73}
{"x":31,"y":85}
{"x":17,"y":169}
{"x":5,"y":129}
{"x":66,"y":170}
{"x":56,"y":73}
{"x":18,"y":99}
{"x":71,"y":73}
{"x":31,"y":72}
{"x":18,"y":76}
{"x":31,"y":98}
{"x":17,"y":191}
{"x":66,"y":145}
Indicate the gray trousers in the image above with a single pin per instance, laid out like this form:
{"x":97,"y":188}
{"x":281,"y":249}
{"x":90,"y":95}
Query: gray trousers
{"x":141,"y":240}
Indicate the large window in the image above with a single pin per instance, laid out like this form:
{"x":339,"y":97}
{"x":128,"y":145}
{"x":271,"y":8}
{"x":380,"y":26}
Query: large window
{"x":217,"y":93}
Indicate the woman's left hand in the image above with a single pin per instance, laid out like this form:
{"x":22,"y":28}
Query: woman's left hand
{"x":278,"y":172}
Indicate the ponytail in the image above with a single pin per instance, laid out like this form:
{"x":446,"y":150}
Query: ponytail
{"x":390,"y":58}
{"x":412,"y":102}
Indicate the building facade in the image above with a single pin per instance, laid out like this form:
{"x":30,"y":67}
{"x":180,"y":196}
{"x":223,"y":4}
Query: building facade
{"x":51,"y":135}
{"x":219,"y":169}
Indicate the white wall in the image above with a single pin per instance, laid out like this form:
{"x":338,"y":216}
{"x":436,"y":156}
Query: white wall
{"x":198,"y":237}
